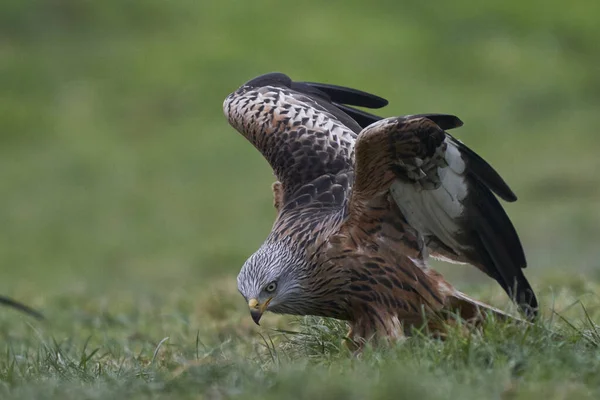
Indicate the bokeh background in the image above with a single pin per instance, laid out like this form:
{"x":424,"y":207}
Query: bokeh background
{"x":122,"y":185}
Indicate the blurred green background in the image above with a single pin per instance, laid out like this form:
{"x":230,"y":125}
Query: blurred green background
{"x":120,"y":177}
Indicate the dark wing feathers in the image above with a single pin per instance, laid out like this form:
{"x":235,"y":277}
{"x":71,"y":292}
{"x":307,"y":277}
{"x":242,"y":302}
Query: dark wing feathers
{"x":485,"y":173}
{"x":302,"y":137}
{"x":270,"y":79}
{"x":441,"y":196}
{"x":343,"y":98}
{"x":325,"y":96}
{"x":363,"y":118}
{"x":308,"y":129}
{"x":496,"y":245}
{"x":344,"y":95}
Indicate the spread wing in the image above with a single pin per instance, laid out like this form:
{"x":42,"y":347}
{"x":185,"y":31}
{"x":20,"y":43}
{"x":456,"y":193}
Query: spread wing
{"x":307,"y":132}
{"x":304,"y":129}
{"x":299,"y":130}
{"x":445,"y":192}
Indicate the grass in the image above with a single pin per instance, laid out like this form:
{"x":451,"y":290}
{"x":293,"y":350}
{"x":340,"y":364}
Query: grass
{"x":501,"y":361}
{"x":128,"y":205}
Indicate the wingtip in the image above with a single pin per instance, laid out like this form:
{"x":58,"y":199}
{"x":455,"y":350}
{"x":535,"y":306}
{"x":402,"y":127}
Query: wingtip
{"x":510,"y":197}
{"x":484,"y":172}
{"x":444,"y":121}
{"x":336,"y":93}
{"x":277,"y":78}
{"x":350,"y":96}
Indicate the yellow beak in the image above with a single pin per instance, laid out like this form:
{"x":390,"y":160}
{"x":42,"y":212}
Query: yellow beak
{"x":257,"y":309}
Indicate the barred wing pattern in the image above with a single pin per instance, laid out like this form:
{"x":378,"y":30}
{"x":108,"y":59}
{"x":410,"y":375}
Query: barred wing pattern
{"x":442,"y":189}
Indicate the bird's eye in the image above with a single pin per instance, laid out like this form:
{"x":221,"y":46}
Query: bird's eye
{"x":271,"y":287}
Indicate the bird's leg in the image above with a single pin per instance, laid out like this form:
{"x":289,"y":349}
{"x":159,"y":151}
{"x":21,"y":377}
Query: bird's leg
{"x":352,"y":345}
{"x":355,"y":342}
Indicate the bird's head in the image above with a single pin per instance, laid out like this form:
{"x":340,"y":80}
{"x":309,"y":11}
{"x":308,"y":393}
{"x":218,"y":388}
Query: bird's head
{"x":272,"y":280}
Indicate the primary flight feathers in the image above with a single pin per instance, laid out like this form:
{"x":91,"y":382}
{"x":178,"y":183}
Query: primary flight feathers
{"x":363,"y":201}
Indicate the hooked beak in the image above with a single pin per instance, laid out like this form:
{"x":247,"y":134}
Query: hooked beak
{"x":257,"y":309}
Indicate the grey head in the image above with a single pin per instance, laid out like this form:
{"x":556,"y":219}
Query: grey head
{"x":274,"y":279}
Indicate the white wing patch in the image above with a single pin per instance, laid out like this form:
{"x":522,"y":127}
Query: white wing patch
{"x":434,"y":212}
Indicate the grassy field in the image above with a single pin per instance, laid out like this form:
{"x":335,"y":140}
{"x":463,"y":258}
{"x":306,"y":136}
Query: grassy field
{"x":128,"y":204}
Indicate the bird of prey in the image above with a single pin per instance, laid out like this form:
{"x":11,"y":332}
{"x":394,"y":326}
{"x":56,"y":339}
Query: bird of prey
{"x":362,"y":202}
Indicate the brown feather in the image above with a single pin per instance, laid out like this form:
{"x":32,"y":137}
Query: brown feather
{"x":355,"y":253}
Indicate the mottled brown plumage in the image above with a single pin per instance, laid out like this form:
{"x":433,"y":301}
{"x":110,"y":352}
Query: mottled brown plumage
{"x":359,"y":210}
